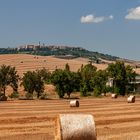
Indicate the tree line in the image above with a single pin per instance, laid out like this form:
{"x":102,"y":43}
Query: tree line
{"x":58,"y":51}
{"x":87,"y":80}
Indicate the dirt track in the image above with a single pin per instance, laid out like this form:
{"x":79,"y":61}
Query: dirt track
{"x":115,"y":118}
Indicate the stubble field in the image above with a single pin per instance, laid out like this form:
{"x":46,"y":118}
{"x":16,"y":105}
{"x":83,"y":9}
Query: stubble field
{"x":25,"y":62}
{"x":35,"y":119}
{"x":115,"y":118}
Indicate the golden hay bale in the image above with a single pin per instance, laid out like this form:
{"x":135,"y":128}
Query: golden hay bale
{"x":131,"y":99}
{"x":114,"y":95}
{"x":103,"y":94}
{"x":74,"y":103}
{"x":75,"y":127}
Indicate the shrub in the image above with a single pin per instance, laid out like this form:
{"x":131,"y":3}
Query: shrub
{"x":97,"y":91}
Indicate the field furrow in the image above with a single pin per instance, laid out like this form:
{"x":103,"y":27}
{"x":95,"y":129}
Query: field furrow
{"x":115,"y":119}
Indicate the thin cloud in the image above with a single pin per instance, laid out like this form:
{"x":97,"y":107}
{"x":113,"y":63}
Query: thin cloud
{"x":93,"y":19}
{"x":134,"y":14}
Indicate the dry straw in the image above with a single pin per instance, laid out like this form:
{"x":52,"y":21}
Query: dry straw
{"x":103,"y":94}
{"x":74,"y":103}
{"x":114,"y":95}
{"x":75,"y":127}
{"x":131,"y":99}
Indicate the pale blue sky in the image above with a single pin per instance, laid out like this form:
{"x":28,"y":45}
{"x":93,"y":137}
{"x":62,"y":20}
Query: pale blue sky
{"x":107,"y":26}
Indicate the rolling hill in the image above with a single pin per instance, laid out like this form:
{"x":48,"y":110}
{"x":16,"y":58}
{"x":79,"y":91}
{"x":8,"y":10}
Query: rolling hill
{"x":58,"y":51}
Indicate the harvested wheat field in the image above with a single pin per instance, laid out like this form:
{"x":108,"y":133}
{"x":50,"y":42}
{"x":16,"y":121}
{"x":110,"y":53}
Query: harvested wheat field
{"x":35,"y":119}
{"x":25,"y":62}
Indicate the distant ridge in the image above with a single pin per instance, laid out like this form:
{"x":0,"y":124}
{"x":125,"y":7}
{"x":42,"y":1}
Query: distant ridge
{"x":58,"y":51}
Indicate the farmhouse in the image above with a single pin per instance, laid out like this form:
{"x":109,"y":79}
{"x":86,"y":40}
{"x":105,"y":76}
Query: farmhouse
{"x":136,"y":83}
{"x":110,"y":82}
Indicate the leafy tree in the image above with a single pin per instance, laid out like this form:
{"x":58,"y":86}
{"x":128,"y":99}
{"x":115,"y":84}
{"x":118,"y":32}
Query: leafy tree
{"x":14,"y":78}
{"x":32,"y":82}
{"x":83,"y":89}
{"x":28,"y":81}
{"x":121,"y":75}
{"x":73,"y":82}
{"x":58,"y":79}
{"x":76,"y":80}
{"x":118,"y":73}
{"x":8,"y":76}
{"x":39,"y":85}
{"x":87,"y":73}
{"x":65,"y":82}
{"x":44,"y":74}
{"x":99,"y":82}
{"x":4,"y":77}
{"x":130,"y":73}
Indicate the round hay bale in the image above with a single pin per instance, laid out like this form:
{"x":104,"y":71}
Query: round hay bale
{"x":75,"y":127}
{"x":74,"y":103}
{"x":103,"y":94}
{"x":131,"y":99}
{"x":114,"y":95}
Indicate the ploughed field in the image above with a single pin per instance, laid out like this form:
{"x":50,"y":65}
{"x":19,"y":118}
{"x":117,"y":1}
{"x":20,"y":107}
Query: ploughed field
{"x":35,"y":119}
